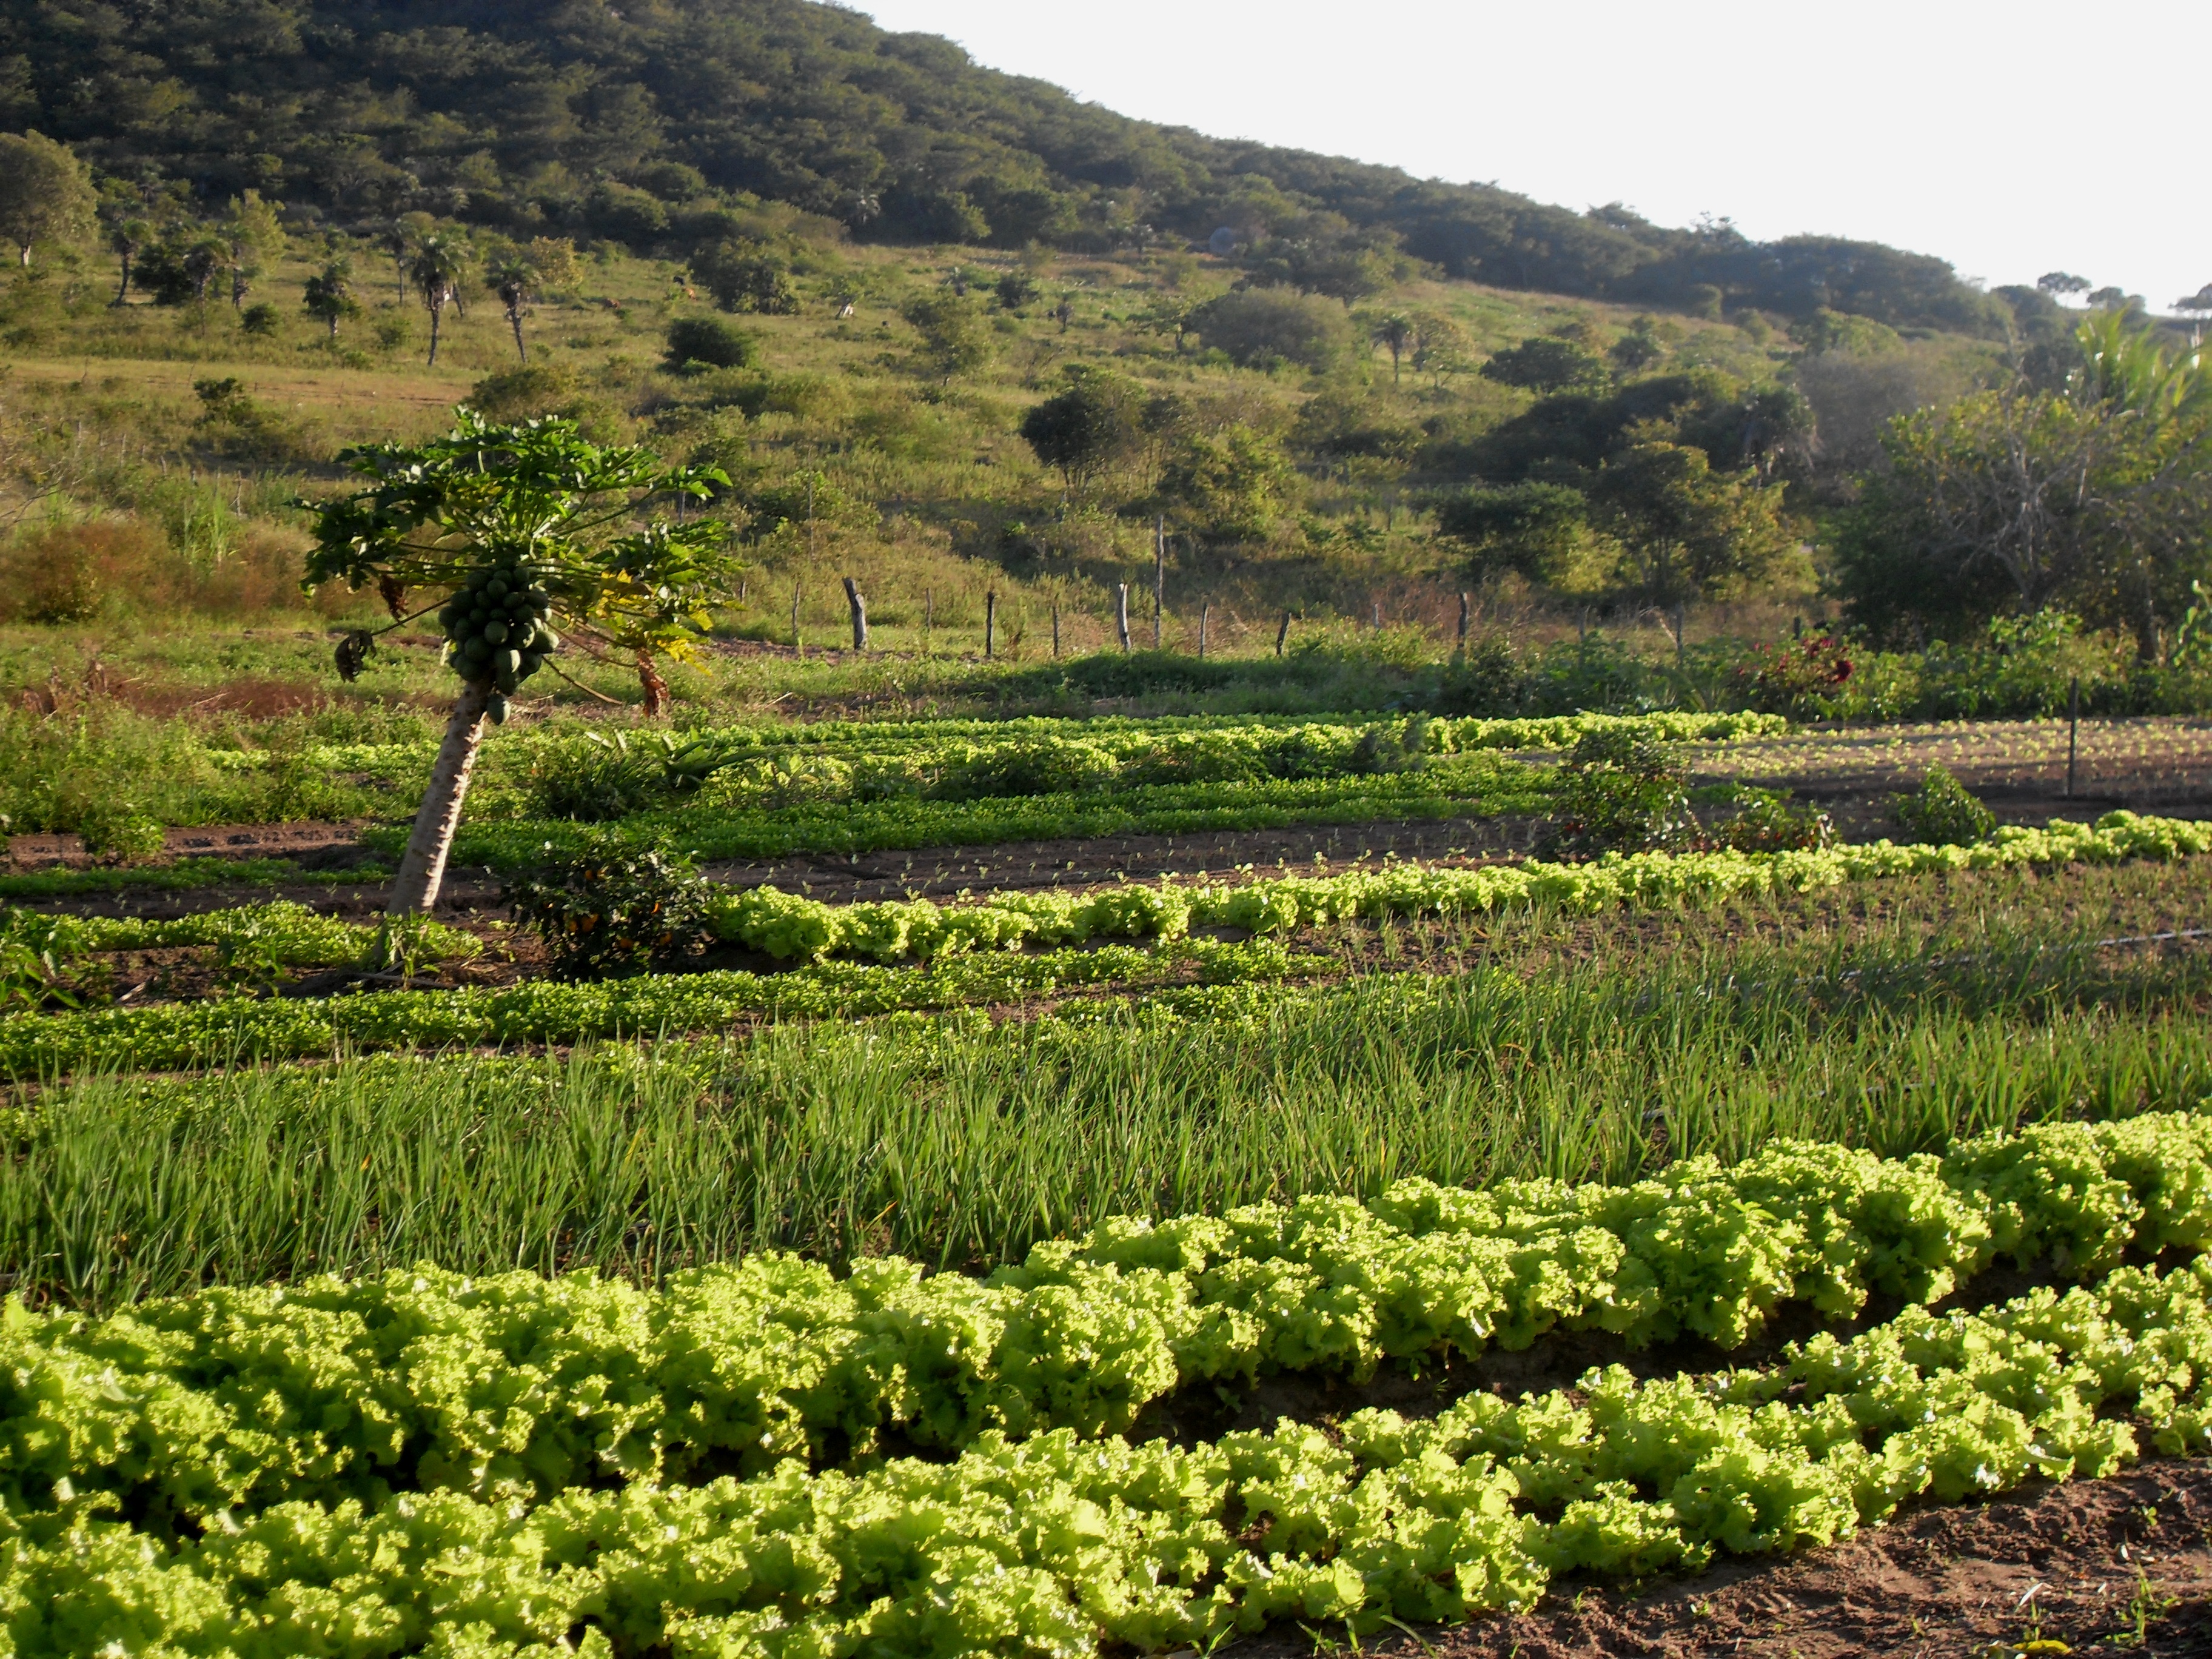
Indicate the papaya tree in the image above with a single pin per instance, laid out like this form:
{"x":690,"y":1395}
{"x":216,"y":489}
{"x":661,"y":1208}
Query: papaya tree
{"x":521,"y":532}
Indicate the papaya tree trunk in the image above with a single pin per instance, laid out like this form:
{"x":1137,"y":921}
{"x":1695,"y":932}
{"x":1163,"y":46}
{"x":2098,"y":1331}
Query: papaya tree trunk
{"x":656,"y":689}
{"x":423,"y":866}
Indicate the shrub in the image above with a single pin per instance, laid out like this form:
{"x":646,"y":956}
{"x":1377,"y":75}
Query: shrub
{"x":259,"y":320}
{"x":525,"y":394}
{"x":68,"y":572}
{"x":1619,"y":792}
{"x":1768,"y":821}
{"x":1942,"y":812}
{"x":1485,"y":680}
{"x":1259,"y":327}
{"x":117,"y":828}
{"x":710,"y":343}
{"x":613,"y":908}
{"x":592,"y":779}
{"x":1795,"y":679}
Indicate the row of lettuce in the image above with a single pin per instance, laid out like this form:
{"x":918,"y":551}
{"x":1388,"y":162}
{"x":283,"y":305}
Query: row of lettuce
{"x":977,"y":953}
{"x":517,"y":1386}
{"x":1284,"y":744}
{"x":514,"y":1464}
{"x":749,"y":794}
{"x":791,"y":926}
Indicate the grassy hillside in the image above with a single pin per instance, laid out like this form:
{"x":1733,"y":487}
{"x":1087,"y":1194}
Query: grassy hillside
{"x":656,"y":125}
{"x":924,"y":490}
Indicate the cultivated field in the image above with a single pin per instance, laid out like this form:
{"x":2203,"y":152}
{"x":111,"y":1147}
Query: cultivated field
{"x":1193,"y":1177}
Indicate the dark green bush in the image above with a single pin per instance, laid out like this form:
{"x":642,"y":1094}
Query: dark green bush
{"x":1942,"y":812}
{"x":711,"y":342}
{"x":1767,"y":820}
{"x":592,"y":779}
{"x":1619,"y":792}
{"x":613,"y":908}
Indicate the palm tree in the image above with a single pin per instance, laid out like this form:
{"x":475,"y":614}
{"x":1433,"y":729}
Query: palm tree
{"x":1395,"y":332}
{"x":436,"y":271}
{"x":202,"y":260}
{"x":329,"y":295}
{"x":127,"y":239}
{"x":512,"y":279}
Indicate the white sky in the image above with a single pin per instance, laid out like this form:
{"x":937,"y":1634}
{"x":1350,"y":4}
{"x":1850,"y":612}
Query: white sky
{"x":2010,"y":138}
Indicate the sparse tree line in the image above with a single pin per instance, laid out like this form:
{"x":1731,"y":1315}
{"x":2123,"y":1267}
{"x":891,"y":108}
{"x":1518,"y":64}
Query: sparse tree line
{"x":2074,"y":479}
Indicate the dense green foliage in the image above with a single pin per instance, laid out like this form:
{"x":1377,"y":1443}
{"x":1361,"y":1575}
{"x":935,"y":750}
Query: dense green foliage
{"x":271,"y":1429}
{"x":638,"y":127}
{"x":794,"y":927}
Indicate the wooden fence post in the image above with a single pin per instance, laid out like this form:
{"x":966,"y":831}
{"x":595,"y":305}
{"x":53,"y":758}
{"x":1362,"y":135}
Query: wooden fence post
{"x":990,"y":620}
{"x":2073,"y":728}
{"x":1159,"y":575}
{"x":1204,"y":616}
{"x":1055,"y":628}
{"x":1122,"y":612}
{"x":1282,"y":633}
{"x":859,"y":607}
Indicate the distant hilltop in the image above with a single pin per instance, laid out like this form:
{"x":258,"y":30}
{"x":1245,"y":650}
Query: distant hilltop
{"x":641,"y":125}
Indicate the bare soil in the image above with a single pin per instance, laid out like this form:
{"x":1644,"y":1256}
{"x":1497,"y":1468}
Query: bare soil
{"x":2073,"y":1562}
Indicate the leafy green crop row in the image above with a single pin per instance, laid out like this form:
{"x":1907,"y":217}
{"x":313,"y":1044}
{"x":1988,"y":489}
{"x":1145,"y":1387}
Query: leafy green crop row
{"x":171,"y":1035}
{"x":256,"y":1440}
{"x":174,"y":1036}
{"x":787,"y":925}
{"x":1119,"y":736}
{"x":1073,"y":758}
{"x":516,"y":1385}
{"x":291,"y":933}
{"x":1473,"y":785}
{"x":1058,"y":1545}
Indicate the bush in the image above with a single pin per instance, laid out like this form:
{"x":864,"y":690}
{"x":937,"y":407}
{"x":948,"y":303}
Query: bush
{"x":1769,"y":823}
{"x":1259,"y":327}
{"x":1485,"y":680}
{"x":1942,"y":812}
{"x":613,"y":908}
{"x":259,"y":320}
{"x":525,"y":394}
{"x":709,"y":343}
{"x":1619,"y":792}
{"x":117,"y":828}
{"x":592,"y":779}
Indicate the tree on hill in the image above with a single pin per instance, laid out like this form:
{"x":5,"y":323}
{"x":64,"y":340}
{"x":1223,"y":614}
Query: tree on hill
{"x":1547,"y":364}
{"x":45,"y":193}
{"x":1395,"y":333}
{"x":1097,"y":423}
{"x":436,"y":271}
{"x":128,"y":239}
{"x":512,"y":278}
{"x":1688,"y":531}
{"x":517,"y":528}
{"x":954,"y":336}
{"x":328,"y":297}
{"x":254,"y":239}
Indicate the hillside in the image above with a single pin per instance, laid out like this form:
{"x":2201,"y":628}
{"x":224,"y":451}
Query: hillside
{"x":646,"y":125}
